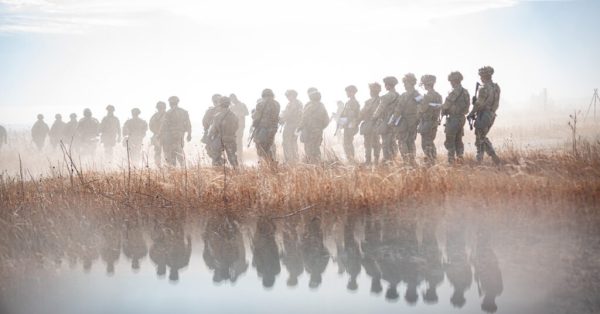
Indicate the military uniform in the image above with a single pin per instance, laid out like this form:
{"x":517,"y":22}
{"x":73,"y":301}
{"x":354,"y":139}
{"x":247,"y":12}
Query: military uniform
{"x":429,"y":119}
{"x":174,"y":126}
{"x":367,"y":129}
{"x":110,"y":132}
{"x":134,"y":130}
{"x":350,"y":115}
{"x":155,"y":123}
{"x":407,"y":127}
{"x":241,"y":111}
{"x":314,"y":120}
{"x":207,"y":121}
{"x":39,"y":132}
{"x":87,"y":133}
{"x":3,"y":136}
{"x":222,"y":135}
{"x":455,"y":107}
{"x":57,"y":132}
{"x":384,"y":114}
{"x":484,"y":110}
{"x":265,"y":120}
{"x":291,"y":117}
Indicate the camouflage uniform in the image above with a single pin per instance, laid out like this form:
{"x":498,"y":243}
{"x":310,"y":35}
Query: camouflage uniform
{"x":455,"y":108}
{"x":407,"y":127}
{"x":134,"y":130}
{"x":372,"y":140}
{"x":173,"y":128}
{"x":429,"y":118}
{"x":110,"y":131}
{"x":384,"y":116}
{"x":3,"y":136}
{"x":87,"y":132}
{"x":265,"y":120}
{"x":291,"y":117}
{"x":314,"y":120}
{"x":155,"y":123}
{"x":484,"y":109}
{"x":57,"y":131}
{"x":350,"y":116}
{"x":222,"y":134}
{"x":241,"y":111}
{"x":207,"y":121}
{"x":39,"y":132}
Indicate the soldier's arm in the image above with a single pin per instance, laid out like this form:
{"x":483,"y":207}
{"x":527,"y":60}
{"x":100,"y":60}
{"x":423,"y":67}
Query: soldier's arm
{"x":188,"y":124}
{"x":118,"y":128}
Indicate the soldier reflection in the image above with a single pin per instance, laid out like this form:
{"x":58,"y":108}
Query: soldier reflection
{"x":389,"y":257}
{"x":349,"y":255}
{"x":111,"y":246}
{"x":316,"y":256}
{"x":265,"y":252}
{"x":224,"y":250}
{"x":179,"y":248}
{"x":409,"y":266}
{"x":134,"y":245}
{"x":457,"y":267}
{"x":89,"y":245}
{"x":487,"y":272}
{"x":159,"y":248}
{"x":291,"y":256}
{"x":371,"y":246}
{"x":432,"y":271}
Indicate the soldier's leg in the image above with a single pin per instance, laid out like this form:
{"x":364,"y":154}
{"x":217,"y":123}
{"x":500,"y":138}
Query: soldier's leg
{"x":459,"y":145}
{"x":427,"y":146}
{"x":294,"y":148}
{"x":348,"y":144}
{"x":410,"y":143}
{"x":388,"y":141}
{"x":376,"y":143}
{"x":450,"y":145}
{"x":479,"y":143}
{"x":403,"y":145}
{"x":488,"y":147}
{"x":157,"y":154}
{"x":230,"y":150}
{"x":368,"y":148}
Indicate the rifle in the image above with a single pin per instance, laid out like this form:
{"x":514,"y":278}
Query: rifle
{"x":473,"y":117}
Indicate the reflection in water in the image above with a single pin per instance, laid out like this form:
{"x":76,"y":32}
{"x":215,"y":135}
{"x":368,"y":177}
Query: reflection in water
{"x":179,"y":248}
{"x":224,"y":251}
{"x":111,"y":246}
{"x":457,"y":268}
{"x":487,"y":272}
{"x":265,"y":252}
{"x":291,"y":257}
{"x":134,"y":245}
{"x":316,"y":256}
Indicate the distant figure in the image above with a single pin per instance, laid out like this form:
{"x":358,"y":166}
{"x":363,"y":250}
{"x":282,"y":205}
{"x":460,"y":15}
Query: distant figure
{"x":39,"y":132}
{"x":70,"y":131}
{"x":384,"y":117}
{"x":241,"y":111}
{"x":57,"y":131}
{"x":372,"y":140}
{"x":429,"y":118}
{"x":265,"y":119}
{"x":3,"y":137}
{"x":222,"y":134}
{"x":455,"y":108}
{"x":484,"y":113}
{"x":87,"y":132}
{"x":290,"y":118}
{"x":110,"y":130}
{"x":408,"y":110}
{"x":349,"y":120}
{"x":134,"y":131}
{"x":207,"y":121}
{"x":155,"y":123}
{"x":314,"y":120}
{"x":174,"y":127}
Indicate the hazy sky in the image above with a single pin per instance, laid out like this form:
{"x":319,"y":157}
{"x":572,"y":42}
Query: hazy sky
{"x":64,"y":55}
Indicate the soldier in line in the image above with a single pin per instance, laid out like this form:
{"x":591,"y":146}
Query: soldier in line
{"x":155,"y":122}
{"x":407,"y":110}
{"x":3,"y":137}
{"x":70,"y":132}
{"x":384,"y":117}
{"x":57,"y":131}
{"x":110,"y":130}
{"x":429,"y":118}
{"x":87,"y":132}
{"x":207,"y":121}
{"x":265,"y":119}
{"x":222,"y":134}
{"x":134,"y":131}
{"x":455,"y":108}
{"x":349,"y":120}
{"x":173,"y":128}
{"x":290,"y":118}
{"x":484,"y":113}
{"x":241,"y":111}
{"x":39,"y":132}
{"x":372,"y":140}
{"x":314,"y":120}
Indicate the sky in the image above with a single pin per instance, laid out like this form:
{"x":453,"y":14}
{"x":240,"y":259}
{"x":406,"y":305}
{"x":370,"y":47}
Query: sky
{"x":61,"y":56}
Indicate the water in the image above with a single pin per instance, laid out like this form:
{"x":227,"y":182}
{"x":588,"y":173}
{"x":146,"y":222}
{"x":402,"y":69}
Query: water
{"x":385,"y":261}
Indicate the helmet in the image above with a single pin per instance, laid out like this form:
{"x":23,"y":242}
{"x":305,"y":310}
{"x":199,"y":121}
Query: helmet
{"x":486,"y":70}
{"x":58,"y":116}
{"x":312,"y":90}
{"x":390,"y":81}
{"x":110,"y":108}
{"x":267,"y":93}
{"x":215,"y":98}
{"x":224,"y":101}
{"x":40,"y":116}
{"x":375,"y":87}
{"x":428,"y":79}
{"x":291,"y":93}
{"x":73,"y":116}
{"x":174,"y":100}
{"x":351,"y":89}
{"x":135,"y":111}
{"x":87,"y":112}
{"x":455,"y":76}
{"x":409,"y":78}
{"x":161,"y":105}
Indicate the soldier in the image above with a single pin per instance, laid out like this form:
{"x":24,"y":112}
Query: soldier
{"x":349,"y":120}
{"x":87,"y":132}
{"x":110,"y":130}
{"x":222,"y":134}
{"x":3,"y":137}
{"x":372,"y":140}
{"x":70,"y":131}
{"x":57,"y":131}
{"x":429,"y":118}
{"x":455,"y":108}
{"x":384,"y":116}
{"x":175,"y":125}
{"x":290,"y":118}
{"x":314,"y":120}
{"x":155,"y":123}
{"x":207,"y":122}
{"x":134,"y":131}
{"x":407,"y":110}
{"x":241,"y":111}
{"x":39,"y":132}
{"x":484,"y":113}
{"x":265,"y":119}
